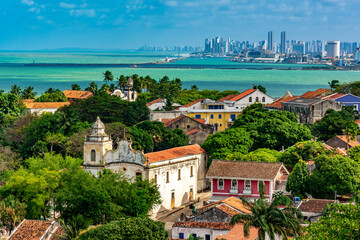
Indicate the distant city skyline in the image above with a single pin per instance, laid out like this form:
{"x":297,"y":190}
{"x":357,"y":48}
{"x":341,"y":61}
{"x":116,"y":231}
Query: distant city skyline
{"x":130,"y":24}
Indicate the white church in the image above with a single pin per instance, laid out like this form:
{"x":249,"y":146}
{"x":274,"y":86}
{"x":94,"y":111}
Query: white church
{"x":178,"y":172}
{"x":128,"y":93}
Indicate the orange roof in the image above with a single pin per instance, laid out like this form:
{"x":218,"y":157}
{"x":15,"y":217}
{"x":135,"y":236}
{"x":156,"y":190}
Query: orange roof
{"x":232,"y":202}
{"x":172,"y":121}
{"x":277,"y":104}
{"x":334,"y":96}
{"x":314,"y":94}
{"x":351,"y":142}
{"x":227,"y":97}
{"x":242,"y":95}
{"x":357,"y":121}
{"x":190,"y":104}
{"x":195,"y":130}
{"x":210,"y":225}
{"x":155,"y":101}
{"x":337,"y":150}
{"x":174,"y":153}
{"x":77,"y":94}
{"x":28,"y":101}
{"x":237,"y":233}
{"x":39,"y":105}
{"x":165,"y":120}
{"x":228,"y":210}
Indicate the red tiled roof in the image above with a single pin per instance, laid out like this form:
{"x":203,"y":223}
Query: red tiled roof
{"x":58,"y":232}
{"x":334,"y":96}
{"x":314,"y":205}
{"x":314,"y":94}
{"x":174,"y":153}
{"x":357,"y":121}
{"x":165,"y":120}
{"x":277,"y":104}
{"x":338,"y":150}
{"x":77,"y":94}
{"x":36,"y":105}
{"x":200,"y":120}
{"x":227,"y":97}
{"x":237,"y":233}
{"x":344,"y":139}
{"x":209,"y":225}
{"x":155,"y":101}
{"x":30,"y":230}
{"x":239,"y":169}
{"x":232,"y":202}
{"x":195,"y":130}
{"x":190,"y":104}
{"x":242,"y":95}
{"x":228,"y":210}
{"x":172,"y":121}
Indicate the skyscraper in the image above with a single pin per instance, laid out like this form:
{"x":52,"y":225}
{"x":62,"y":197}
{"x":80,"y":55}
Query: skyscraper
{"x":270,"y":41}
{"x":283,"y":42}
{"x":333,"y":49}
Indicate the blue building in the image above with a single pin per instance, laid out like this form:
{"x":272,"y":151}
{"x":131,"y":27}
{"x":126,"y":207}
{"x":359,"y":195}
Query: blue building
{"x":345,"y":99}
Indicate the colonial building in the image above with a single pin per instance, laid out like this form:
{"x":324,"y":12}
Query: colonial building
{"x":312,"y":209}
{"x":179,"y":172}
{"x":319,"y":93}
{"x":159,"y":104}
{"x":127,"y":93}
{"x":345,"y":99}
{"x":241,"y":179}
{"x":33,"y":107}
{"x":73,"y":95}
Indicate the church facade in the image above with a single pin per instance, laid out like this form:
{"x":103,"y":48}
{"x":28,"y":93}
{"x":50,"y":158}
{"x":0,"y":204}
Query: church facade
{"x":127,"y":93}
{"x":180,"y":173}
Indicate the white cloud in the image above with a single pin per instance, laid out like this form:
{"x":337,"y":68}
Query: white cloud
{"x":83,"y":12}
{"x":67,"y":5}
{"x":28,"y":2}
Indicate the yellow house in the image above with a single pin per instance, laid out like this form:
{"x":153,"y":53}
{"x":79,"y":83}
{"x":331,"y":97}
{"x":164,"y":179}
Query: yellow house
{"x":221,"y":120}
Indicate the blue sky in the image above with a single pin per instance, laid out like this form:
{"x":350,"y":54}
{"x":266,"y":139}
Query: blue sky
{"x":125,"y":24}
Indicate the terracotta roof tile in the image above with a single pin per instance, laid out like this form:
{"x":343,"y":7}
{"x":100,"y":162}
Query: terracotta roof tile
{"x":315,"y":205}
{"x":209,"y":225}
{"x":39,"y":105}
{"x":227,"y":97}
{"x":232,"y":202}
{"x":338,"y":150}
{"x":172,"y":121}
{"x":195,"y":130}
{"x":357,"y":121}
{"x":155,"y":101}
{"x":165,"y":120}
{"x":344,"y":139}
{"x":277,"y":104}
{"x":30,"y":230}
{"x":237,"y":233}
{"x":77,"y":94}
{"x":228,"y":210}
{"x":58,"y":232}
{"x":190,"y":104}
{"x":242,"y":95}
{"x":174,"y":153}
{"x":200,"y":120}
{"x":314,"y":94}
{"x":239,"y":169}
{"x":334,"y":96}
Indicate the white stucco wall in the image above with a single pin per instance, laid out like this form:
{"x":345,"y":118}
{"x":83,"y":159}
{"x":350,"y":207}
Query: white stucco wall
{"x":200,"y":232}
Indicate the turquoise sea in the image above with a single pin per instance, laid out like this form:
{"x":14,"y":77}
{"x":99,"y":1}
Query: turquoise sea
{"x":214,"y":73}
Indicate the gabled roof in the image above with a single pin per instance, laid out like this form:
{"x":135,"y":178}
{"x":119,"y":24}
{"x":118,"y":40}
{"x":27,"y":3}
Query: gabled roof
{"x":314,"y":205}
{"x":173,"y":153}
{"x":314,"y":94}
{"x":237,"y":233}
{"x":334,"y":96}
{"x":242,"y":95}
{"x":338,"y":150}
{"x":35,"y":230}
{"x":208,"y":225}
{"x":277,"y":104}
{"x":192,"y":103}
{"x":227,"y":97}
{"x":342,"y":138}
{"x":172,"y":121}
{"x":239,"y":169}
{"x":155,"y":101}
{"x":195,"y":130}
{"x":233,"y":202}
{"x":77,"y":94}
{"x":44,"y":105}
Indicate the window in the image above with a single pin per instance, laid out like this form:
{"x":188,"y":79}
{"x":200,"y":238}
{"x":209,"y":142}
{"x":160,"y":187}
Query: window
{"x":138,"y":176}
{"x":256,"y":99}
{"x":219,"y":116}
{"x":194,"y":235}
{"x":179,"y":174}
{"x":247,"y":184}
{"x":234,"y":184}
{"x":191,"y":171}
{"x":233,"y":117}
{"x":221,"y":184}
{"x":188,"y":126}
{"x":181,"y":235}
{"x":220,"y":125}
{"x":212,"y":116}
{"x":198,"y":116}
{"x":207,"y":237}
{"x":215,"y":127}
{"x":177,"y":126}
{"x":263,"y":99}
{"x":250,"y":99}
{"x":93,"y":155}
{"x":155,"y":178}
{"x":229,"y":125}
{"x":167,"y":177}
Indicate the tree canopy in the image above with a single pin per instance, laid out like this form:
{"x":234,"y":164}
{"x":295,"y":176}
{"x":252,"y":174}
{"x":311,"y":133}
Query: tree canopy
{"x":298,"y":181}
{"x":53,"y":96}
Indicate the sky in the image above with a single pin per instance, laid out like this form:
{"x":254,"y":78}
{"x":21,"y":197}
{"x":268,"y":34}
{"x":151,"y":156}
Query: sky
{"x":129,"y":24}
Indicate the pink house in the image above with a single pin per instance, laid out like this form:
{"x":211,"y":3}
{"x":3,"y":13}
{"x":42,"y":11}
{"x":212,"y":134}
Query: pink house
{"x":241,"y":179}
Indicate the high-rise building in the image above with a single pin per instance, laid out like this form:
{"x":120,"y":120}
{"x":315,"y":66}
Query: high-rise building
{"x":299,"y":48}
{"x":333,"y":49}
{"x":357,"y":55}
{"x":270,"y":41}
{"x":283,"y":43}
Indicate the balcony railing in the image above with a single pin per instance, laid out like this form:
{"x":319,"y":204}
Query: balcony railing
{"x":234,"y":191}
{"x":247,"y":192}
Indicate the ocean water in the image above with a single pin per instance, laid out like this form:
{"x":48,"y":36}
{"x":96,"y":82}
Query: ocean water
{"x":234,"y":76}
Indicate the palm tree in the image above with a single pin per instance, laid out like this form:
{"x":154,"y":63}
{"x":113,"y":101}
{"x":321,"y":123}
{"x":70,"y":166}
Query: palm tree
{"x":268,"y":218}
{"x":28,"y":93}
{"x":333,"y":84}
{"x":108,"y":76}
{"x":75,"y":87}
{"x":93,"y":87}
{"x":15,"y":90}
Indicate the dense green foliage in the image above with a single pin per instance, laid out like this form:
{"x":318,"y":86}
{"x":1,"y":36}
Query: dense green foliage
{"x":298,"y":181}
{"x":11,"y":106}
{"x":259,"y":155}
{"x":334,"y":175}
{"x":12,"y":212}
{"x":52,"y":96}
{"x":127,"y":228}
{"x":341,"y":222}
{"x":352,"y":88}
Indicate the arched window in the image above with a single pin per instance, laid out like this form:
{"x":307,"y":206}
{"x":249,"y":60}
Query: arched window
{"x":247,"y":184}
{"x":257,"y":99}
{"x":93,"y":155}
{"x":263,"y":99}
{"x":250,"y":99}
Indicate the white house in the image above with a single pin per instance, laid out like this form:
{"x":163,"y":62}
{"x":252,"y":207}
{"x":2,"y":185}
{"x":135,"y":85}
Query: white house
{"x":40,"y":107}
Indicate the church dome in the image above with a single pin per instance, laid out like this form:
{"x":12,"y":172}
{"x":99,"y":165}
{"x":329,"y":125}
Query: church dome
{"x":130,"y":82}
{"x":98,"y":131}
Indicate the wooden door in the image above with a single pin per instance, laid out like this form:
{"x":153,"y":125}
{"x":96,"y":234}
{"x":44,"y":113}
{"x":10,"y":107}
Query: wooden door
{"x":172,"y":199}
{"x":191,"y":197}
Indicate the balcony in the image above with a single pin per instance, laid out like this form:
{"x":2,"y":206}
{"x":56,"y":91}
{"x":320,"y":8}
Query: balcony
{"x":247,"y":192}
{"x":234,"y":191}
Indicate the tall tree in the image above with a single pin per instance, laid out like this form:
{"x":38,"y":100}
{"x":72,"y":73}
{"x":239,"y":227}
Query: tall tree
{"x":260,"y":87}
{"x":93,"y":87}
{"x":108,"y":76}
{"x":12,"y":212}
{"x":15,"y":90}
{"x":75,"y":87}
{"x":334,"y":84}
{"x":28,"y":93}
{"x":298,"y":181}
